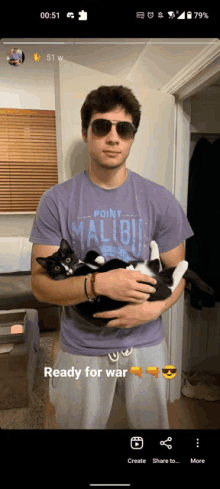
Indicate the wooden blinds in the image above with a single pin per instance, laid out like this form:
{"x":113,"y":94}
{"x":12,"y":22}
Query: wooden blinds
{"x":28,"y":158}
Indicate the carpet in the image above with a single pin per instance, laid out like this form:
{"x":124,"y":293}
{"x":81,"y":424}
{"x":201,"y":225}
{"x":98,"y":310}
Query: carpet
{"x":33,"y":416}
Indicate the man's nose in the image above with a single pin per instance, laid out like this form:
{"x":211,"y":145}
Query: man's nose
{"x":112,"y":135}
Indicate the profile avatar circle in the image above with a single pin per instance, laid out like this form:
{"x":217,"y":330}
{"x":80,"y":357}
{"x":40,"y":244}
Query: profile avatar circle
{"x":15,"y":57}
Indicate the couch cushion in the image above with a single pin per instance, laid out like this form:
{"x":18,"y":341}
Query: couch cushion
{"x":16,"y":293}
{"x":15,"y":254}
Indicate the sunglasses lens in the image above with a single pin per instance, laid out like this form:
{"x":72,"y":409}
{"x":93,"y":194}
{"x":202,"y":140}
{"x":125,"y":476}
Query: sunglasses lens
{"x":101,"y":127}
{"x":125,"y":130}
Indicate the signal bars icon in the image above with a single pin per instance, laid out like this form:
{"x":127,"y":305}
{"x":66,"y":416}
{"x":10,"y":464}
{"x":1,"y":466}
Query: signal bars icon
{"x":184,"y":14}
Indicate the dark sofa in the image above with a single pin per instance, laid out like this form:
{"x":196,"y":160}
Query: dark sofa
{"x":16,"y":293}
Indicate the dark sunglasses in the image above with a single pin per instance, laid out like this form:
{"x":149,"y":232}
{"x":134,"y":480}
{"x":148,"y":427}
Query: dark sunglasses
{"x":101,"y":127}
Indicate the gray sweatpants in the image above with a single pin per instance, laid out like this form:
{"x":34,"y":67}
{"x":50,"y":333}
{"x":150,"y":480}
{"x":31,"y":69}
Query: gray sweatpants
{"x":84,"y":400}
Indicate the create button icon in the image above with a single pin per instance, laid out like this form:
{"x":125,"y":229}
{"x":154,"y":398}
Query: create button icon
{"x":137,"y":442}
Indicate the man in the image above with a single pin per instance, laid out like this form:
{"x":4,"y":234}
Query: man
{"x":15,"y":57}
{"x":116,"y":213}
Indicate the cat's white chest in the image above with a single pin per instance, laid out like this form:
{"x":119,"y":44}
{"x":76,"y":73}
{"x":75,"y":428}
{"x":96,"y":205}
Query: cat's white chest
{"x":141,"y":267}
{"x":68,"y":270}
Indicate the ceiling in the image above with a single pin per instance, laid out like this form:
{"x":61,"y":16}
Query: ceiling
{"x":216,"y":84}
{"x":156,"y":61}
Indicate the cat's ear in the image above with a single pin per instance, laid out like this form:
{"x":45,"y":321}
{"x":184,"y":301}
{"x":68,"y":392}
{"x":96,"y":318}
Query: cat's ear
{"x":64,"y":247}
{"x":43,"y":262}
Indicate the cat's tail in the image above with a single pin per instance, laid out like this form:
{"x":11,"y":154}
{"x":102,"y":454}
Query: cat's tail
{"x":192,"y":277}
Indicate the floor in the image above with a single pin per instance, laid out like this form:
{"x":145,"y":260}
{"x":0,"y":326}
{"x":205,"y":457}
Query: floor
{"x":184,"y":413}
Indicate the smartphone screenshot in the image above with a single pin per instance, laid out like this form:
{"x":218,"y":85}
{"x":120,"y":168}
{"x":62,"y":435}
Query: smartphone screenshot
{"x":109,"y":270}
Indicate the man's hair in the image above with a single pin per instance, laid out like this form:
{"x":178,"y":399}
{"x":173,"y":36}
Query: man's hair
{"x":105,"y":98}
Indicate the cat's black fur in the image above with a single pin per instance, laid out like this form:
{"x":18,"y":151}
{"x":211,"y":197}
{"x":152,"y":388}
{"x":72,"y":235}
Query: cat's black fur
{"x":54,"y":265}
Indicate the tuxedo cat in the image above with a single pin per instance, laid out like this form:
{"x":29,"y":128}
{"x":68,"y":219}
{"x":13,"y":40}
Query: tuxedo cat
{"x":64,"y":264}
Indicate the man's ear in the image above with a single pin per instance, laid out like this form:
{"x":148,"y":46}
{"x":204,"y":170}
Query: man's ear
{"x":84,"y":135}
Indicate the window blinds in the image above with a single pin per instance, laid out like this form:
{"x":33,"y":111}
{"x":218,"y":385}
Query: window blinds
{"x":28,"y":158}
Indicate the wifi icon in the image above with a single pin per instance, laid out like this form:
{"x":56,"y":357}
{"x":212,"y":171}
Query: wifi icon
{"x":171,"y":15}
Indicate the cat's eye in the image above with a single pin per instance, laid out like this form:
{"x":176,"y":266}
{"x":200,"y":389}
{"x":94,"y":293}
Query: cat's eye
{"x":68,"y":260}
{"x":57,"y":269}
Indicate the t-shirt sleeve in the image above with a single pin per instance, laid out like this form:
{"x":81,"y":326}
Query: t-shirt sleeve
{"x":173,"y":226}
{"x":46,"y":227}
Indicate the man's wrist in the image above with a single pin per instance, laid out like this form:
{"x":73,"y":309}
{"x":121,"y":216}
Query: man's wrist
{"x":89,"y":290}
{"x":98,"y":285}
{"x":150,"y":311}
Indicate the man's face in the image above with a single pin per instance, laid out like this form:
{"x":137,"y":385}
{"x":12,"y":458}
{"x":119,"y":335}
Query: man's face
{"x":99,"y":146}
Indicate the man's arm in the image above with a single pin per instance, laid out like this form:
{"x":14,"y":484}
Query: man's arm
{"x":62,"y":292}
{"x":171,"y":259}
{"x":71,"y":291}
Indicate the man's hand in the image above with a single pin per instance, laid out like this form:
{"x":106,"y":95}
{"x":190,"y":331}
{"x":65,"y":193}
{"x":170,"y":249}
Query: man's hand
{"x":124,"y":285}
{"x":133,"y":314}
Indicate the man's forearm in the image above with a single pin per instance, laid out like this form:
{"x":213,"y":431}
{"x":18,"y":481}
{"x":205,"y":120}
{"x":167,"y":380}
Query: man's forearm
{"x":67,"y":292}
{"x":150,"y":311}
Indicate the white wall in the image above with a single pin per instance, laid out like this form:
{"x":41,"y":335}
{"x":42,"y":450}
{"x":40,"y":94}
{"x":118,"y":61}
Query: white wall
{"x":28,"y":86}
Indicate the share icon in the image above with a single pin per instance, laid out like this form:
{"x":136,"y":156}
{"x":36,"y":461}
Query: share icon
{"x":164,"y":443}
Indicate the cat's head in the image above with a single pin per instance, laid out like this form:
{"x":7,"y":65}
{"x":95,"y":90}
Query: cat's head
{"x":62,"y":263}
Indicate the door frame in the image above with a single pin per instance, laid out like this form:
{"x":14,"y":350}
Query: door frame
{"x":201,"y":72}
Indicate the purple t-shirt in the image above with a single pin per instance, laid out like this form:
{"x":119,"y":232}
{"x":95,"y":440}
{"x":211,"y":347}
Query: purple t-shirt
{"x":117,"y":223}
{"x":15,"y":56}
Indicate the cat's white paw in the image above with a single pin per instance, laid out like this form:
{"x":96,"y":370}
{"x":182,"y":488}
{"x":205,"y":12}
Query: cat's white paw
{"x":182,"y":266}
{"x":154,"y":250}
{"x":100,"y":260}
{"x":178,"y":273}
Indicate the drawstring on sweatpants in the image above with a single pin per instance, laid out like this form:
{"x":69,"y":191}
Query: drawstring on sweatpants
{"x":115,"y":355}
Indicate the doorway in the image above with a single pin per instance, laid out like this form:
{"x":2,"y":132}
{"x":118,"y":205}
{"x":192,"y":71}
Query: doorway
{"x":202,"y":73}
